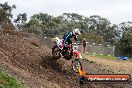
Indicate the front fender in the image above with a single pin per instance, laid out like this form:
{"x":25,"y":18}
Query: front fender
{"x":77,"y":54}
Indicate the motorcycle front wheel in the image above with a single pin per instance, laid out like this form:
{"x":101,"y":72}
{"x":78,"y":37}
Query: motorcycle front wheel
{"x":76,"y":65}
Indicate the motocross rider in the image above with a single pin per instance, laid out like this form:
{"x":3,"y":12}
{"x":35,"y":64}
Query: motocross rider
{"x":68,"y":36}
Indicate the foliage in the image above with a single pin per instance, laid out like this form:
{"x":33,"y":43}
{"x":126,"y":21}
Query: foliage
{"x":124,"y":46}
{"x":7,"y":81}
{"x":21,"y":20}
{"x":92,"y":38}
{"x":6,"y":15}
{"x":52,"y":26}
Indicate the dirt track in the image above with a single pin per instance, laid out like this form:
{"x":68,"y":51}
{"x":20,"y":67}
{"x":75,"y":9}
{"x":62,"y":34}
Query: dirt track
{"x":28,"y":57}
{"x":117,"y":66}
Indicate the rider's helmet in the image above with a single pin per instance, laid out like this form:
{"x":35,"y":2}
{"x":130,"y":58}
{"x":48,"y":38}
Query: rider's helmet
{"x":76,"y":32}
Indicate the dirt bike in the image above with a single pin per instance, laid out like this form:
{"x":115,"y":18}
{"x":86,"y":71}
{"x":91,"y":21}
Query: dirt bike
{"x":70,"y":54}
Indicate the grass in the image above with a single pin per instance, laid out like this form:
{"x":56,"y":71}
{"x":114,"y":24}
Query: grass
{"x":7,"y":81}
{"x":102,"y":56}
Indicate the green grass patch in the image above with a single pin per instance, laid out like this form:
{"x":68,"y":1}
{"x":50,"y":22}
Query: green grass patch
{"x":106,"y":56}
{"x":103,"y":56}
{"x":7,"y":81}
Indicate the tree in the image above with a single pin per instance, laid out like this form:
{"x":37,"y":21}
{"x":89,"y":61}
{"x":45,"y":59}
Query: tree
{"x":49,"y":25}
{"x":5,"y":12}
{"x":6,"y":15}
{"x":124,"y":26}
{"x":92,"y":38}
{"x":124,"y":46}
{"x":33,"y":26}
{"x":102,"y":27}
{"x":21,"y":20}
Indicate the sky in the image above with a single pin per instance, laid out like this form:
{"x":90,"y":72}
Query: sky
{"x":117,"y":11}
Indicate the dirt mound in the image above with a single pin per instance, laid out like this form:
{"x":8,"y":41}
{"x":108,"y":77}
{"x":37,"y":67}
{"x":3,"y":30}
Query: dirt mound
{"x":20,"y":51}
{"x":27,"y":56}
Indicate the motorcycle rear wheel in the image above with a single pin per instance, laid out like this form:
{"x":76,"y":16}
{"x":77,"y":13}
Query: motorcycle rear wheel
{"x":56,"y":52}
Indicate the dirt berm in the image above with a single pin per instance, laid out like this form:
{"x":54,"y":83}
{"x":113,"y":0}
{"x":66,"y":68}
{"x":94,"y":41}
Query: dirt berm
{"x":28,"y":57}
